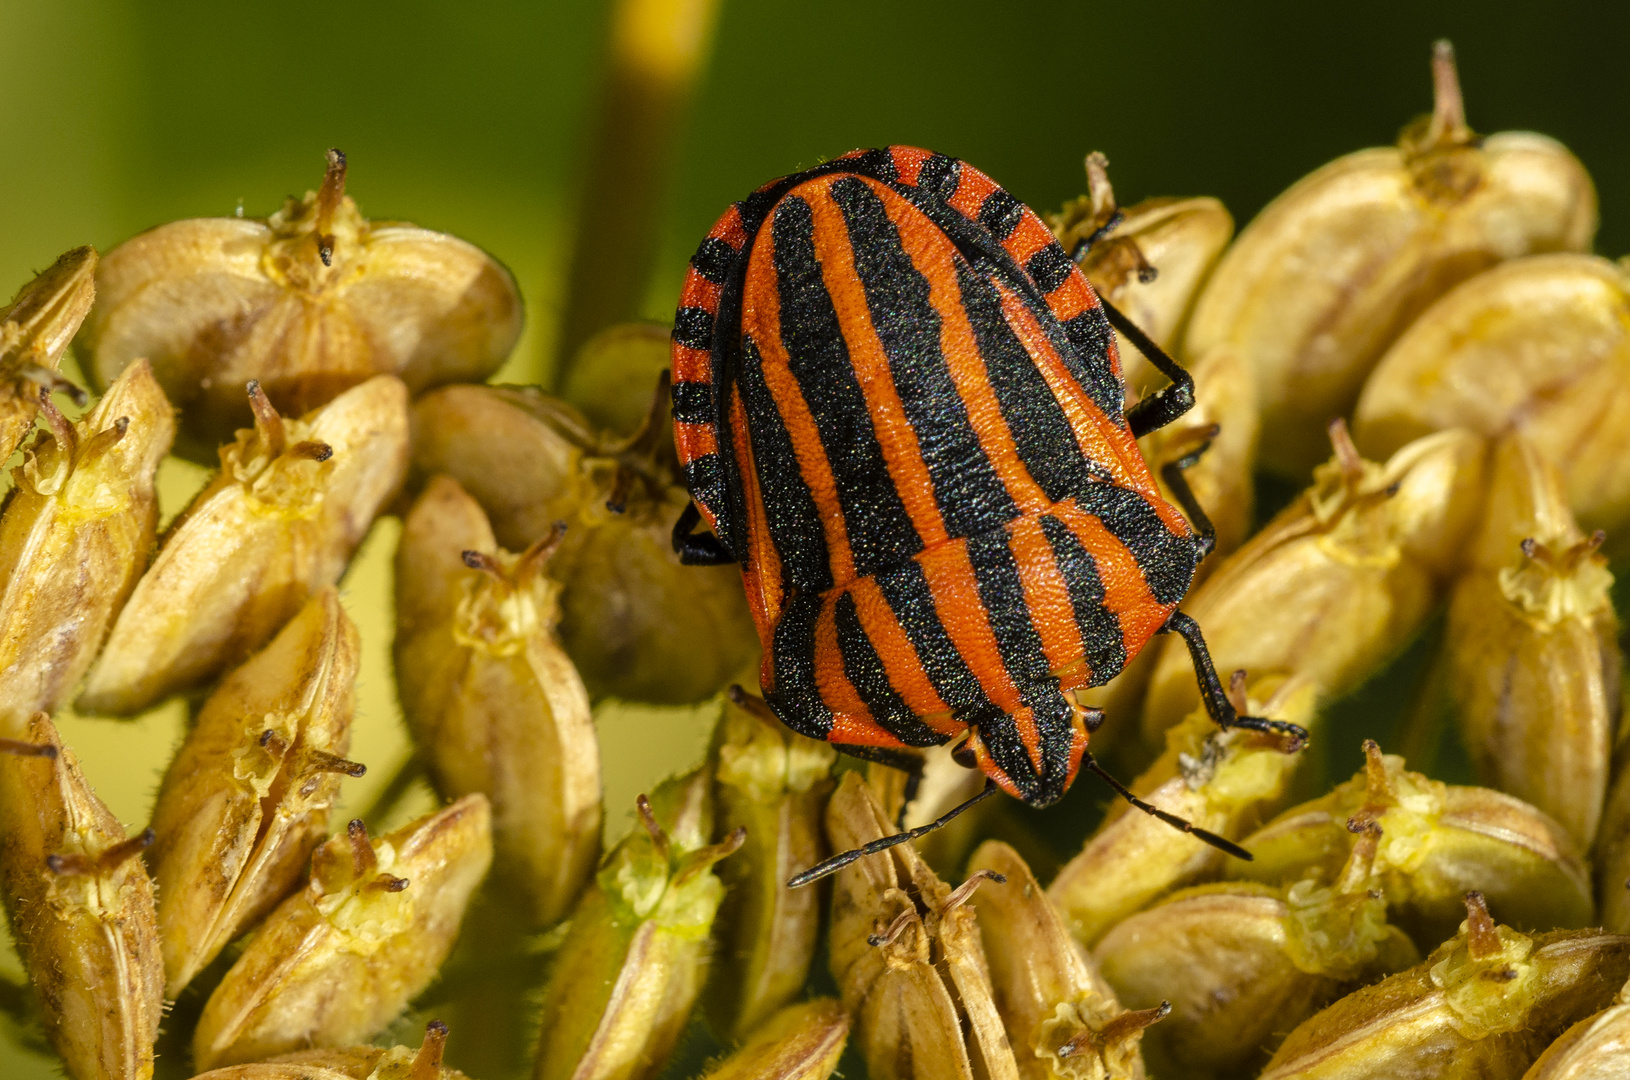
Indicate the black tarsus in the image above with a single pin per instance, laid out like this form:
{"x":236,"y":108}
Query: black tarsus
{"x":1216,"y":700}
{"x":1205,"y":533}
{"x":698,"y":549}
{"x":839,"y":861}
{"x":1220,"y":843}
{"x":1161,"y":408}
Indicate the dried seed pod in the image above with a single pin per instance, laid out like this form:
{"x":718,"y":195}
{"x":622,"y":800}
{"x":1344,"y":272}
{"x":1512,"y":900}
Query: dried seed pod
{"x":1612,"y":852}
{"x":1483,"y":1005}
{"x":1062,"y":1018}
{"x":246,"y":798}
{"x":801,"y":1042}
{"x":941,"y":783}
{"x":905,"y":952}
{"x":1240,"y":964}
{"x":1596,"y":1048}
{"x":1539,"y":346}
{"x":74,"y":537}
{"x":81,"y":910}
{"x":338,"y":960}
{"x":612,"y":376}
{"x":1438,"y":841}
{"x":310,"y":301}
{"x":277,"y":524}
{"x":492,"y":701}
{"x":637,"y":624}
{"x":1533,"y":653}
{"x":1342,"y":578}
{"x":773,"y":783}
{"x":1227,"y":782}
{"x":35,"y":329}
{"x":635,"y":957}
{"x":1150,"y":266}
{"x":1330,"y":272}
{"x":423,"y":1062}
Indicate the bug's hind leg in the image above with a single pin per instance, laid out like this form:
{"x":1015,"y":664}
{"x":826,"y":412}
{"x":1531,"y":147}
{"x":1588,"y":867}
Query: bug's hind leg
{"x":1221,"y":710}
{"x":1172,"y":472}
{"x":1160,"y":408}
{"x":698,"y":549}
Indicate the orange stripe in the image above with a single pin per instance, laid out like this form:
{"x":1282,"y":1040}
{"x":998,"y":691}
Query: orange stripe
{"x":1047,"y":599}
{"x":701,"y":293}
{"x":951,"y":580}
{"x":1073,"y":298}
{"x":762,"y":319}
{"x":694,"y":441}
{"x":988,"y":766}
{"x":729,"y":227}
{"x":900,"y":661}
{"x":1027,"y":238}
{"x":692,"y":365}
{"x":908,"y":163}
{"x":761,"y":572}
{"x":1126,"y":590}
{"x":895,"y":436}
{"x":831,"y":679}
{"x":972,"y":189}
{"x":931,"y":254}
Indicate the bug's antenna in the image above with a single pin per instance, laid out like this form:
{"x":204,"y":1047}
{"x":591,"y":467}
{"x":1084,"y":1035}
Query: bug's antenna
{"x":839,"y":861}
{"x":1218,"y":842}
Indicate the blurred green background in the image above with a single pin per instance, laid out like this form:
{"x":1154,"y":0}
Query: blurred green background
{"x":476,"y":119}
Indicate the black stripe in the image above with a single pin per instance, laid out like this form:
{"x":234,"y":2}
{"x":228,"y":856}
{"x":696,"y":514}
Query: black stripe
{"x":1166,"y":559}
{"x":865,"y":670}
{"x":906,"y":590}
{"x":1089,"y":334}
{"x":796,"y":699}
{"x":1053,"y":717}
{"x":693,"y":327}
{"x":1101,"y":636}
{"x":794,"y":523}
{"x":970,"y":496}
{"x":1049,"y":267}
{"x":997,"y":574}
{"x":704,"y":479}
{"x":880,"y":532}
{"x":940,"y":176}
{"x":1000,"y":214}
{"x":693,"y":403}
{"x":1041,"y":432}
{"x":713,"y":259}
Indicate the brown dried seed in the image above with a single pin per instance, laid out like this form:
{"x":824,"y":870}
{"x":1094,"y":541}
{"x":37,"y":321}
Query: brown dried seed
{"x":905,"y":952}
{"x":774,"y":784}
{"x":279,"y":522}
{"x":81,"y":911}
{"x":1438,"y":841}
{"x":637,"y":624}
{"x":1483,"y":1005}
{"x":74,"y":537}
{"x":1223,"y":781}
{"x":1063,"y":1020}
{"x":353,"y":1063}
{"x":493,"y":702}
{"x":310,"y":301}
{"x":635,"y":957}
{"x":801,"y":1042}
{"x":1533,"y":654}
{"x":246,"y":798}
{"x":1339,"y":580}
{"x":339,"y":959}
{"x":1388,"y":230}
{"x":35,"y":329}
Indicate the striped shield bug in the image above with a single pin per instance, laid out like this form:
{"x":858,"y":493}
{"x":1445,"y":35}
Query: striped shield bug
{"x":899,"y":406}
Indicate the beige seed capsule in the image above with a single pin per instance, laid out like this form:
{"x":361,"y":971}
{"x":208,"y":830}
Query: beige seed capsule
{"x":1612,"y":852}
{"x":353,"y":1063}
{"x":311,"y":301}
{"x":81,"y":910}
{"x":1539,"y":346}
{"x":492,"y":701}
{"x":338,"y":960}
{"x":35,"y":329}
{"x":1596,"y":1048}
{"x":277,"y":524}
{"x":1227,"y":782}
{"x":905,"y":952}
{"x":1332,"y":271}
{"x":1338,"y":581}
{"x":1240,"y":964}
{"x":774,"y":784}
{"x":635,"y":958}
{"x":1533,"y":654}
{"x":612,"y":375}
{"x":246,"y":798}
{"x":1438,"y":842}
{"x":1063,"y":1020}
{"x":801,"y":1042}
{"x":1151,"y":265}
{"x":637,"y":623}
{"x":75,"y":535}
{"x":1483,"y":1005}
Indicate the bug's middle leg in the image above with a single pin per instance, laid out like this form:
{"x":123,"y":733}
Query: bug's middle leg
{"x":1220,"y":709}
{"x":1160,"y":408}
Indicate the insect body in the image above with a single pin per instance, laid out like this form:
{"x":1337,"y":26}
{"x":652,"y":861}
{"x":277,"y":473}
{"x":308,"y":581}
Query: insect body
{"x":899,"y":405}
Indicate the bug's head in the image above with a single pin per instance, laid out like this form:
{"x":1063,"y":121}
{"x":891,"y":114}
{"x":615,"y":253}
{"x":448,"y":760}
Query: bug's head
{"x":1034,"y":752}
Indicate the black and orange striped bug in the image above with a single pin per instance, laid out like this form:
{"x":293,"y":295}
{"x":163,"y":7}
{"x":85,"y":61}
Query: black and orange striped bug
{"x":899,"y":405}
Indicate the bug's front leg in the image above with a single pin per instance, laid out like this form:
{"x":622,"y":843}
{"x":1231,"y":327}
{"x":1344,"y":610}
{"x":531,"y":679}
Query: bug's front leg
{"x":1221,"y":710}
{"x":698,"y":549}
